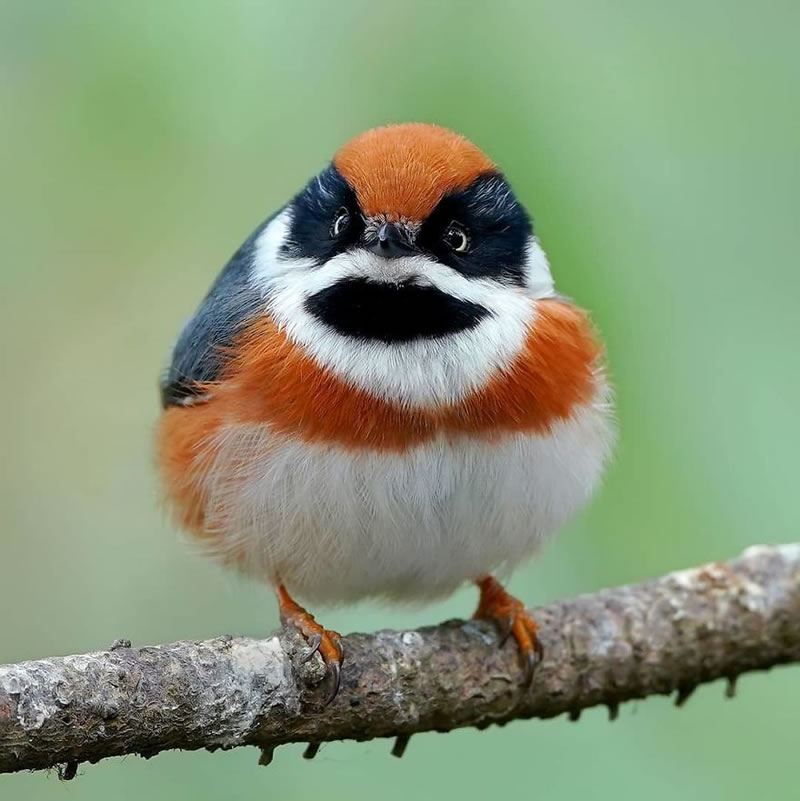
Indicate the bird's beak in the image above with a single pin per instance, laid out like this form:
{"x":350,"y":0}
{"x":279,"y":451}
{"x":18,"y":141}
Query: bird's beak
{"x":391,"y":242}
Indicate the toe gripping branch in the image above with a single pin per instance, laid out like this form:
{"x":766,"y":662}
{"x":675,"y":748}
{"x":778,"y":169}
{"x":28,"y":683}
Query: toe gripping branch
{"x":496,"y":605}
{"x":319,"y":639}
{"x":511,"y":617}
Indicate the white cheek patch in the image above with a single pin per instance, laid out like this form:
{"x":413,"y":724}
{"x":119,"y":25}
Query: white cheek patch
{"x":423,"y":372}
{"x":537,"y":271}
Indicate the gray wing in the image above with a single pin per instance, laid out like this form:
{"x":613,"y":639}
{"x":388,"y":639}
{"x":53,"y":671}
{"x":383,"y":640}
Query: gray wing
{"x":201,"y":352}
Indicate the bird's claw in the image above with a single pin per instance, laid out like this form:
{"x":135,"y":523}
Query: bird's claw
{"x":532,"y":660}
{"x":335,"y":670}
{"x":327,"y":644}
{"x":314,"y":642}
{"x":505,"y":625}
{"x":320,"y":640}
{"x":511,"y":617}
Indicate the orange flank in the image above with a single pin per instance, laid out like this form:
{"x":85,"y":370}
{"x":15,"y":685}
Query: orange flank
{"x":403,"y":171}
{"x":184,"y":458}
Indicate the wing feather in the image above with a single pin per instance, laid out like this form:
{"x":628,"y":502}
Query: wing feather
{"x":202,"y":350}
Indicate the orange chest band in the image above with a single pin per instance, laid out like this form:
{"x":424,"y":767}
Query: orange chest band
{"x":273,"y":381}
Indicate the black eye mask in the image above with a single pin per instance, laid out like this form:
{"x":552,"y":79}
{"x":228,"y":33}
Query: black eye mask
{"x":313,"y":212}
{"x":497,"y":225}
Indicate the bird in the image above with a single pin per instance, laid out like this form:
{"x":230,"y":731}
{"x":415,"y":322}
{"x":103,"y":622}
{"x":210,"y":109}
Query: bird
{"x":383,"y":396}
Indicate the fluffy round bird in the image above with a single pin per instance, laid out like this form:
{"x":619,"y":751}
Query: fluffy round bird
{"x":383,"y":395}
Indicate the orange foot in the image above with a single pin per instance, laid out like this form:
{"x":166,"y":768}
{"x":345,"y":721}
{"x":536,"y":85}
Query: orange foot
{"x":512,"y":618}
{"x":319,"y":638}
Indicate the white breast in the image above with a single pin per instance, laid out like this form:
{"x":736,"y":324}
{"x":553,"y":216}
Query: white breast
{"x":338,"y":525}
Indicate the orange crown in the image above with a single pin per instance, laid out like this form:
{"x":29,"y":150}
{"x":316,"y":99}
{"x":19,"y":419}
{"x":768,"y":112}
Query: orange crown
{"x":403,"y":171}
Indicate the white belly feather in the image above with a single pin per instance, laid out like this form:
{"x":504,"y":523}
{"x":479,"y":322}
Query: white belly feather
{"x":338,"y":525}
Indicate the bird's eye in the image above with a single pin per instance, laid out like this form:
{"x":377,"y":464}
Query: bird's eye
{"x":456,"y":237}
{"x":340,"y":222}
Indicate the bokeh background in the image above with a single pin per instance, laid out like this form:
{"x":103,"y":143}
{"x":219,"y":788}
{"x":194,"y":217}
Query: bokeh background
{"x":657,"y":145}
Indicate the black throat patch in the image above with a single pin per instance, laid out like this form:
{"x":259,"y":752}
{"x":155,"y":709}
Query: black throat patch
{"x":392,"y":312}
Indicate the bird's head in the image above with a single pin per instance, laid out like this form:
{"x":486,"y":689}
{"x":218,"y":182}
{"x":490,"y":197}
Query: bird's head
{"x":407,"y":265}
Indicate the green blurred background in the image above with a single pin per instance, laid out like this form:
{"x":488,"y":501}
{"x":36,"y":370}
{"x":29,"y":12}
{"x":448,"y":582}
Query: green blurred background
{"x":657,"y":146}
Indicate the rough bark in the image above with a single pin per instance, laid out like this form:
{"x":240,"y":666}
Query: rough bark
{"x":658,"y":637}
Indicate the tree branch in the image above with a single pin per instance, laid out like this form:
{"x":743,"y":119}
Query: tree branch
{"x":662,"y":636}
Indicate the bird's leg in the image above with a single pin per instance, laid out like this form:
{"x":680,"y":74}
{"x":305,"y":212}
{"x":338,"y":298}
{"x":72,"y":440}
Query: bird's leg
{"x":512,"y":619}
{"x":319,"y":638}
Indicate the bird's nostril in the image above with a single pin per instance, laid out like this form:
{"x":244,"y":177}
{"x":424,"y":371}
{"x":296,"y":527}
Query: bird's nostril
{"x":383,"y":235}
